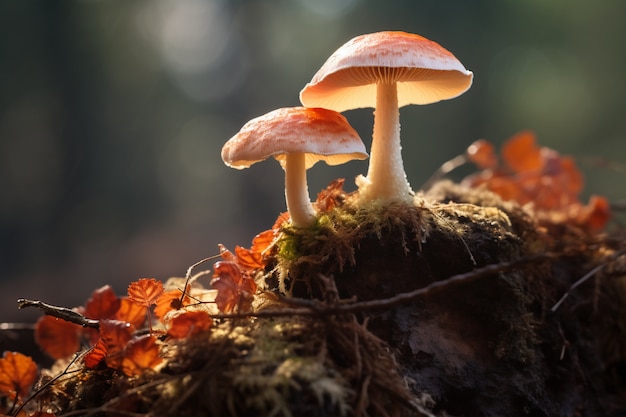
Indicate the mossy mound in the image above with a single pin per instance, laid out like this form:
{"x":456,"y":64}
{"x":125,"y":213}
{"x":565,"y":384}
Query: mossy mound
{"x":487,"y":346}
{"x":334,"y":332}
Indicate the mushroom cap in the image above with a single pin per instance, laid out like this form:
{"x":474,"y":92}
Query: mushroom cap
{"x":321,"y":134}
{"x":425,"y":72}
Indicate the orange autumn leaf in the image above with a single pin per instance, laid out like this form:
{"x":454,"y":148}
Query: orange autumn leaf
{"x":328,"y":198}
{"x":253,"y":258}
{"x":537,"y":175}
{"x":171,"y":300}
{"x":506,"y":187}
{"x":595,"y":214}
{"x":482,"y":153}
{"x":58,"y":338}
{"x":233,"y":288}
{"x":262,"y":241}
{"x":141,"y":354}
{"x":521,"y":153}
{"x":282,"y":218}
{"x":544,"y":181}
{"x":226,"y":254}
{"x":248,"y":259}
{"x":189,"y":323}
{"x":227,"y":277}
{"x":115,"y":334}
{"x":145,"y":291}
{"x":96,"y":355}
{"x":131,"y":312}
{"x":555,"y":187}
{"x":18,"y":373}
{"x":571,"y":179}
{"x":103,"y":304}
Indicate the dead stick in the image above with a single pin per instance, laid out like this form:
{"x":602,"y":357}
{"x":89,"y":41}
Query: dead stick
{"x":588,"y":275}
{"x":304,"y":307}
{"x":60,"y":313}
{"x":576,"y":284}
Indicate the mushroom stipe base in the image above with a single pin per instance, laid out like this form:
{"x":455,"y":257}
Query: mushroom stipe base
{"x":489,"y":345}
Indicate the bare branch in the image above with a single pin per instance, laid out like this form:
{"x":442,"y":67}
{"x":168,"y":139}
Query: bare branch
{"x":306,"y":307}
{"x":63,"y":313}
{"x":576,"y":284}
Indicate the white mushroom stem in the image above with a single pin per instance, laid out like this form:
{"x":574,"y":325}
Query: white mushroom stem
{"x":386,"y":179}
{"x":297,"y":192}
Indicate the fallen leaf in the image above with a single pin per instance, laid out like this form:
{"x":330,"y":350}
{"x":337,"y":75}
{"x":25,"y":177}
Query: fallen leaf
{"x":249,"y":259}
{"x":331,"y":196}
{"x":521,"y":153}
{"x":595,"y":214}
{"x":103,"y":304}
{"x":233,"y":287}
{"x":145,"y":291}
{"x":482,"y":153}
{"x":96,"y":355}
{"x":263,"y":241}
{"x":115,"y":334}
{"x":571,"y":179}
{"x":226,"y":279}
{"x":18,"y":373}
{"x":226,"y":254}
{"x":542,"y":180}
{"x":282,"y":218}
{"x":171,"y":300}
{"x":58,"y":338}
{"x":141,"y":354}
{"x":189,"y":323}
{"x":131,"y":312}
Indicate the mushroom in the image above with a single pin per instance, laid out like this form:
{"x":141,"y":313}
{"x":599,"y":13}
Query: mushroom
{"x":297,"y":137}
{"x":386,"y":70}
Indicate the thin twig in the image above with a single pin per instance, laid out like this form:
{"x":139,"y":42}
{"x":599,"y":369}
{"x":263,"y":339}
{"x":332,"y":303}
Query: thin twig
{"x":51,"y":381}
{"x":64,"y":313}
{"x":444,"y":169}
{"x":189,"y":279}
{"x":588,"y":275}
{"x":306,"y":307}
{"x":576,"y":284}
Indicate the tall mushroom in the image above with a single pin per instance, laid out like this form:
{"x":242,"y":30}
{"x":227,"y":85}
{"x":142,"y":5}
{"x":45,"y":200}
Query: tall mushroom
{"x":297,"y":137}
{"x":386,"y":70}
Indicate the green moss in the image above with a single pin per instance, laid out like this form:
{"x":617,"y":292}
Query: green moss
{"x":382,"y":236}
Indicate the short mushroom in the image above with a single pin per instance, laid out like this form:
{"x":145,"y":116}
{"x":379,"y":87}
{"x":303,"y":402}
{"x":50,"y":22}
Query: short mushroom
{"x":297,"y":137}
{"x":386,"y":70}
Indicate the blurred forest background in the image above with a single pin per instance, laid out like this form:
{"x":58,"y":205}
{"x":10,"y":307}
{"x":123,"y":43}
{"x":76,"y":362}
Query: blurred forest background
{"x":113,"y":115}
